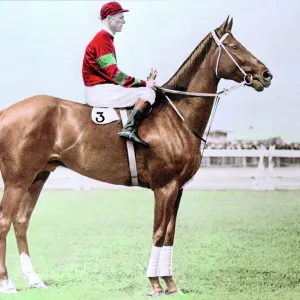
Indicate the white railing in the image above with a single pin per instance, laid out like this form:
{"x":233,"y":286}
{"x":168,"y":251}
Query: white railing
{"x":261,"y":153}
{"x":263,"y":175}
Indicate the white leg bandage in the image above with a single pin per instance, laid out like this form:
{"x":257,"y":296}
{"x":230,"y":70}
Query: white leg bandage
{"x":27,"y":269}
{"x":165,"y":263}
{"x":7,"y":287}
{"x":153,"y":267}
{"x":26,"y":264}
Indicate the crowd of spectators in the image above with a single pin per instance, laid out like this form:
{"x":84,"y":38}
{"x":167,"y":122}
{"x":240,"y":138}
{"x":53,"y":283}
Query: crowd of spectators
{"x":250,"y":161}
{"x":252,"y":145}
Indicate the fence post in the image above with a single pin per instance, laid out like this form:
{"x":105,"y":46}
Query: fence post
{"x":260,"y":176}
{"x":270,"y":180}
{"x":271,"y":163}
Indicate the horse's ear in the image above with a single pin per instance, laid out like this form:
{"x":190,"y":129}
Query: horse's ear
{"x":229,"y":25}
{"x":222,"y":29}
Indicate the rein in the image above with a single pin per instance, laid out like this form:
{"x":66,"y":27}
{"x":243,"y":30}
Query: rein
{"x":248,"y":79}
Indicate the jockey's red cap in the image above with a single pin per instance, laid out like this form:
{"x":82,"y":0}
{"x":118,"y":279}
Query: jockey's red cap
{"x":111,"y":8}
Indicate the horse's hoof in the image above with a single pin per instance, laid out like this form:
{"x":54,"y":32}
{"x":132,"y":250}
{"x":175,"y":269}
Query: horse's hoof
{"x":34,"y":281}
{"x":156,"y":294}
{"x":8,"y":291}
{"x":7,"y":287}
{"x":176,"y":292}
{"x":38,"y":285}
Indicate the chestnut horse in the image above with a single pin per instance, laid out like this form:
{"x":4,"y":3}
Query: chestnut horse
{"x":42,"y":132}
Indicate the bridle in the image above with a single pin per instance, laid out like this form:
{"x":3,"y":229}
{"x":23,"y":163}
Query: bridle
{"x":248,"y":79}
{"x":221,"y":45}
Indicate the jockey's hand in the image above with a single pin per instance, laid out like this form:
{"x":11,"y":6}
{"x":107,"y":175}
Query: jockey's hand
{"x":151,"y":79}
{"x":152,"y":74}
{"x":151,"y":84}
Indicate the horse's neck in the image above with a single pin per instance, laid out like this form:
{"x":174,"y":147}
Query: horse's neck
{"x":197,"y":110}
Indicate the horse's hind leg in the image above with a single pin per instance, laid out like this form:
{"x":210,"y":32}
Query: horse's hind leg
{"x":10,"y":203}
{"x":164,"y":202}
{"x":166,"y":256}
{"x":21,"y":224}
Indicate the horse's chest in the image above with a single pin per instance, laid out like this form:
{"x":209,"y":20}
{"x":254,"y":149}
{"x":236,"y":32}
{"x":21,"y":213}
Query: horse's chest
{"x":176,"y":165}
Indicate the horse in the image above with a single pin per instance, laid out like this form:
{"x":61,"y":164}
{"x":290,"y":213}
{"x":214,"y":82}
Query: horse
{"x":42,"y":132}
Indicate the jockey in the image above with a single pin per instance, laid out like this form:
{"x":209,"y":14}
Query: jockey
{"x":105,"y":84}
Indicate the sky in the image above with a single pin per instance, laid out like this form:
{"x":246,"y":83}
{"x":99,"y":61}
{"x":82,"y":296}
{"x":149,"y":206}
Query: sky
{"x":43,"y":43}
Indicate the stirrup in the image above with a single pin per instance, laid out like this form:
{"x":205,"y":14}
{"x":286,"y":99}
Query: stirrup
{"x":134,"y":138}
{"x":130,"y":135}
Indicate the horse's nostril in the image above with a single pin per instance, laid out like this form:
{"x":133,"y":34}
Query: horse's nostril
{"x":267,"y":75}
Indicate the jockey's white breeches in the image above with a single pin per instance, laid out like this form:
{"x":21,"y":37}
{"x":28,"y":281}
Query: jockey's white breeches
{"x":112,"y":95}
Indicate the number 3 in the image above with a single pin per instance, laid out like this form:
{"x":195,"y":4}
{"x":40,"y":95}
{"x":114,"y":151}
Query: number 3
{"x":100,"y":113}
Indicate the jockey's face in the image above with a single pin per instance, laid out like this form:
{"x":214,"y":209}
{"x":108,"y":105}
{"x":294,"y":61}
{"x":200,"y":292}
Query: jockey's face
{"x":116,"y":22}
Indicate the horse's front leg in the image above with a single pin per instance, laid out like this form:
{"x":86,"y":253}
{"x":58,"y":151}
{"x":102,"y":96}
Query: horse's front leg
{"x":166,"y":257}
{"x":164,"y":203}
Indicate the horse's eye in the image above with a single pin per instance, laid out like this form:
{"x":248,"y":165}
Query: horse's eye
{"x":234,"y":47}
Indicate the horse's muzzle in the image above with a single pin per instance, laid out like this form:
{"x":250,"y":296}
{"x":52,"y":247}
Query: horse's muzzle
{"x":260,"y":82}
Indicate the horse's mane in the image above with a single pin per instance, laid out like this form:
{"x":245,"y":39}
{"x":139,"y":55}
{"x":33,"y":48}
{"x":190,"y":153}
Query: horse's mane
{"x":182,"y":76}
{"x":180,"y":80}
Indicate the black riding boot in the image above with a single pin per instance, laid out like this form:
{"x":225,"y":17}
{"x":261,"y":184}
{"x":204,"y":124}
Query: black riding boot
{"x":138,"y":114}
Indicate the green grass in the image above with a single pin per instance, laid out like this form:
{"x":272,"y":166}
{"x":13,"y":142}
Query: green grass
{"x":228,"y":245}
